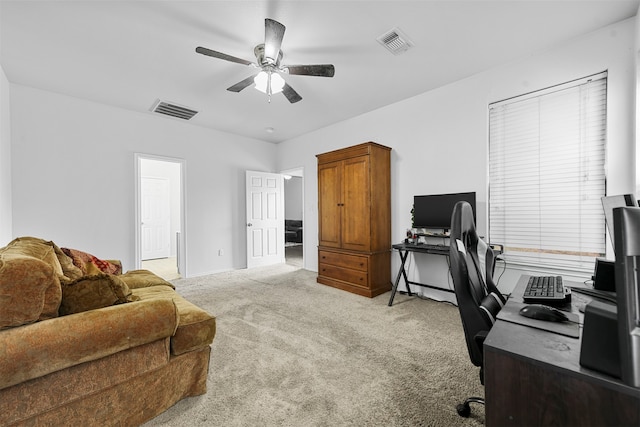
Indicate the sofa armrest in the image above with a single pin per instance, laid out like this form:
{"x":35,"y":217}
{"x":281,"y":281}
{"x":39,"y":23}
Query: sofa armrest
{"x":34,"y":350}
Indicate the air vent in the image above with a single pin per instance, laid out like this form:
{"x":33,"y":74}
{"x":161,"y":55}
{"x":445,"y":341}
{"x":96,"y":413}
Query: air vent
{"x":173,"y":110}
{"x":395,"y":41}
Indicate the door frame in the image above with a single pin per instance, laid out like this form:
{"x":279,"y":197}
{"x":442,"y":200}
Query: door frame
{"x":182,"y":240}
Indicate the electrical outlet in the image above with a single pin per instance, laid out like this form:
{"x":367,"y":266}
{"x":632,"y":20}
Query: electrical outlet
{"x":220,"y":252}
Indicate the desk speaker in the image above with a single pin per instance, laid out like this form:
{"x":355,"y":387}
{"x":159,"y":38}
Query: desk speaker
{"x":604,"y":275}
{"x":600,"y":349}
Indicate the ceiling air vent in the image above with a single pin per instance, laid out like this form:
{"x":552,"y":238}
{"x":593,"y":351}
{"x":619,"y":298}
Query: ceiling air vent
{"x":173,"y":110}
{"x":395,"y":41}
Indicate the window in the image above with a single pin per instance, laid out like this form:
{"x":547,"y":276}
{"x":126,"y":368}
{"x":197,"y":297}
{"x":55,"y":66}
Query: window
{"x":547,"y":175}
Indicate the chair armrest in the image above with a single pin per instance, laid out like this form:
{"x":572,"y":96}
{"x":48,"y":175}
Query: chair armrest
{"x":480,"y":337}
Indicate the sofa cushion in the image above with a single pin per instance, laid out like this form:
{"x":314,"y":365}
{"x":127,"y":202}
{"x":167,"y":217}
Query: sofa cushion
{"x":40,"y":248}
{"x":69,"y":270}
{"x":33,"y":351}
{"x":37,"y":248}
{"x":90,"y":264}
{"x":44,"y":251}
{"x":196,"y":327}
{"x":29,"y":290}
{"x":143,"y":279}
{"x":95,"y":291}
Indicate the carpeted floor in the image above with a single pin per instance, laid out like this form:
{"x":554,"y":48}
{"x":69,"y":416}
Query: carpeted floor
{"x":292,"y":352}
{"x":293,"y":255}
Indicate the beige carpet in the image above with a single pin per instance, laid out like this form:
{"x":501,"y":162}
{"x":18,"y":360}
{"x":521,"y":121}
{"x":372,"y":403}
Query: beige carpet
{"x":167,"y":268}
{"x":292,"y":352}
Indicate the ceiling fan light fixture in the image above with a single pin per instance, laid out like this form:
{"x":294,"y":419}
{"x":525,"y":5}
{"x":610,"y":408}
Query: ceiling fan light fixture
{"x":262,"y":82}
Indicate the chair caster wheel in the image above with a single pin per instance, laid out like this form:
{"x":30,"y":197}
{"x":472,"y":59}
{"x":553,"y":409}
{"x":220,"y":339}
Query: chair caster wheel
{"x":464,"y":410}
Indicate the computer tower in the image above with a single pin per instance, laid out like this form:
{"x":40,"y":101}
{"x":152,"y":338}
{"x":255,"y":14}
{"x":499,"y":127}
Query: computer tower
{"x":627,"y":278}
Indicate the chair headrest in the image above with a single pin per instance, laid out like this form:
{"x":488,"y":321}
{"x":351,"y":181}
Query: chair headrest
{"x":466,"y":227}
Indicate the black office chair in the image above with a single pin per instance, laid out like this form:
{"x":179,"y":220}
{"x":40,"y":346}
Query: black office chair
{"x":479,"y":301}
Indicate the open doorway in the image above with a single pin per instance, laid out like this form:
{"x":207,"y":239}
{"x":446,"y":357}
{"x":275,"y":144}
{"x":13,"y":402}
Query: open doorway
{"x":294,"y":217}
{"x":159,"y":217}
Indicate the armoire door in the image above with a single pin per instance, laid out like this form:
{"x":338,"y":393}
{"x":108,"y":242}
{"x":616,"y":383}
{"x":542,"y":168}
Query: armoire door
{"x":356,"y":209}
{"x":329,"y":204}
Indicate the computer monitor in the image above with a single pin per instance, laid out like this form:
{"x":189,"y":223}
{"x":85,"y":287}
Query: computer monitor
{"x":609,"y":203}
{"x":434,"y":210}
{"x":626,"y":222}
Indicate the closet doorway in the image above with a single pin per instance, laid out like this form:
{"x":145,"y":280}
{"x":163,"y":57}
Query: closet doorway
{"x":160,"y":216}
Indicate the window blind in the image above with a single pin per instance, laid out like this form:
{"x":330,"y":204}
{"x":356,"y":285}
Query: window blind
{"x":547,"y":175}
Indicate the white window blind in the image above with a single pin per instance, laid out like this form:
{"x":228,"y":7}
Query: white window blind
{"x":547,"y":175}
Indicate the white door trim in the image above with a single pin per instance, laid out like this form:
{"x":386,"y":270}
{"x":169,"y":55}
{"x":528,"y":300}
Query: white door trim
{"x":182,"y":240}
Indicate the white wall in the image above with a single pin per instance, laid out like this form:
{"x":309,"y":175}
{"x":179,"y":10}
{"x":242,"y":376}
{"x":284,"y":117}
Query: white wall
{"x":5,"y":161}
{"x":73,"y":177}
{"x":439,"y":138}
{"x":293,"y":198}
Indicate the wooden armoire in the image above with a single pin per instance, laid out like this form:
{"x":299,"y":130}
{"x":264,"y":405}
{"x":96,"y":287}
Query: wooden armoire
{"x":354,"y":219}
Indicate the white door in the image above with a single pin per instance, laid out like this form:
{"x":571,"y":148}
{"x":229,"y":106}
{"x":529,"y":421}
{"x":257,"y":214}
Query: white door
{"x":265,"y":219}
{"x":156,"y":218}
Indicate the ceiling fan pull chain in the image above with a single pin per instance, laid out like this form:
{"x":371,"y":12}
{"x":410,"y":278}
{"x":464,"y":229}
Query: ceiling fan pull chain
{"x":269,"y":90}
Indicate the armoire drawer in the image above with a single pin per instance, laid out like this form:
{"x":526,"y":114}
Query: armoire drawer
{"x":354,"y":277}
{"x":354,"y":262}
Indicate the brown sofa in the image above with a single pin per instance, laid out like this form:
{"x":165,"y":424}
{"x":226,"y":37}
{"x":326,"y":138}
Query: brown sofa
{"x":80,"y":346}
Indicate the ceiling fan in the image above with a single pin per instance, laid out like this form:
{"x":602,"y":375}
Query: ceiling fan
{"x":268,"y":58}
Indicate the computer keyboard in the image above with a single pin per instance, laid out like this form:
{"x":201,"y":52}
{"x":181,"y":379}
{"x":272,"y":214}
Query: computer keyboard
{"x":545,"y":289}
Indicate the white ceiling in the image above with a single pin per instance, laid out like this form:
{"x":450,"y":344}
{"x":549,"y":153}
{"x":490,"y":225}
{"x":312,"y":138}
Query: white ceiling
{"x":128,"y":54}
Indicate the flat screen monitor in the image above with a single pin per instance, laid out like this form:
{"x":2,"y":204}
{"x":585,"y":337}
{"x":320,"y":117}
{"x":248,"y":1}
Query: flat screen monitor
{"x":434,"y":210}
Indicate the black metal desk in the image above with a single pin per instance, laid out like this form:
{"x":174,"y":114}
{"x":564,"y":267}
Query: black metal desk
{"x":403,"y":250}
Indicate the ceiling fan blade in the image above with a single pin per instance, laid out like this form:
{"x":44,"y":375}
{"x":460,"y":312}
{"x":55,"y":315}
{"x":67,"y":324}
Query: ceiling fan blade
{"x":291,"y":94}
{"x":213,"y":53}
{"x":243,"y":84}
{"x":321,"y":70}
{"x":273,"y":35}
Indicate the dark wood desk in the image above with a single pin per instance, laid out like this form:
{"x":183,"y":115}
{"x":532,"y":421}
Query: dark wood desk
{"x":534,"y":378}
{"x":403,"y":250}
